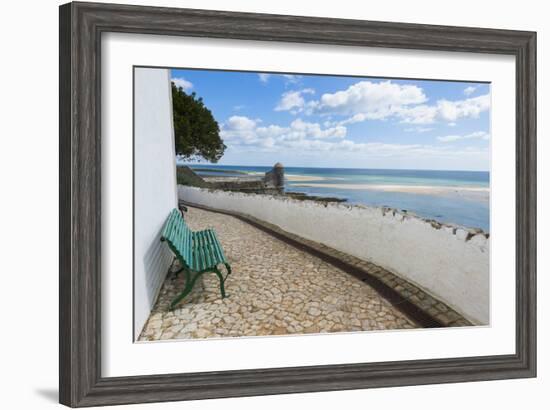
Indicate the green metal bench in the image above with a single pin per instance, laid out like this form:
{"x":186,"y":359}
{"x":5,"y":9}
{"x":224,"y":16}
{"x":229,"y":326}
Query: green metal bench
{"x":198,"y":253}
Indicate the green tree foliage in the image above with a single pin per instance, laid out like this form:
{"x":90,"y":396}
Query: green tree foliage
{"x":197,"y":133}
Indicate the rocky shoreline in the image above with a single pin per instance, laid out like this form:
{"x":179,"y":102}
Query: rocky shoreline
{"x":271,"y":183}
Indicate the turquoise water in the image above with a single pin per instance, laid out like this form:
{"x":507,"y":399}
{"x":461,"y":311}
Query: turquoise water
{"x":457,"y":196}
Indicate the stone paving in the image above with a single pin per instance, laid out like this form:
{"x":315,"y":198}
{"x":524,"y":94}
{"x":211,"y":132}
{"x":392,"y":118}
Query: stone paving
{"x":438,"y":312}
{"x":275,"y":289}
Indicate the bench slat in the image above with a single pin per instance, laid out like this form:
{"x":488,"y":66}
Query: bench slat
{"x":219,"y":248}
{"x":207,"y":251}
{"x":216,"y":248}
{"x":199,"y":250}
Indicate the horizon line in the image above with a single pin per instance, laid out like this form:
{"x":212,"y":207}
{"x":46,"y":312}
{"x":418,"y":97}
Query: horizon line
{"x":317,"y":167}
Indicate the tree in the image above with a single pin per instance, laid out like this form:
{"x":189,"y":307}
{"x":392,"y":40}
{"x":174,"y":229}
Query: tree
{"x":197,"y":134}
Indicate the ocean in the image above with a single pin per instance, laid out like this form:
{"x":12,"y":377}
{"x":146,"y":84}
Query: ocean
{"x":458,"y":197}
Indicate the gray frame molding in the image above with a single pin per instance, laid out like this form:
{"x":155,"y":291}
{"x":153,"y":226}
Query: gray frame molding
{"x":81,"y":26}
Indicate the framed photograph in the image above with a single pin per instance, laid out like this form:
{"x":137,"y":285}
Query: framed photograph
{"x":259,"y":204}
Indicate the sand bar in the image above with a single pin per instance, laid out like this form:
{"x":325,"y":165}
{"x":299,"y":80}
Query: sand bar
{"x":299,"y":178}
{"x":469,"y":191}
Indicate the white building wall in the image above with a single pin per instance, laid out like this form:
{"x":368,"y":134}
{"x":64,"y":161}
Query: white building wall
{"x":447,"y":262}
{"x":155,"y":193}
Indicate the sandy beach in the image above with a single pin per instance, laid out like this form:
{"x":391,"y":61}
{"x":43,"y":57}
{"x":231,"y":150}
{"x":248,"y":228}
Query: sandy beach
{"x":463,"y":191}
{"x":300,"y":178}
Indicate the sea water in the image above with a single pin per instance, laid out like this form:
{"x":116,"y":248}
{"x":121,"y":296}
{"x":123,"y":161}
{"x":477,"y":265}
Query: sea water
{"x":441,"y":197}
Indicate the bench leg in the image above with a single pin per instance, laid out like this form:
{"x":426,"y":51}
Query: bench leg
{"x":180,"y":297}
{"x":188,"y":287}
{"x":222,"y":280}
{"x":190,"y":282}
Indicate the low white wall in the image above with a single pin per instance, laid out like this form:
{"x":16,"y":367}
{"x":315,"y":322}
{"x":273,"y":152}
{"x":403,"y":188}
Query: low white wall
{"x":450,"y":263}
{"x":155,"y":193}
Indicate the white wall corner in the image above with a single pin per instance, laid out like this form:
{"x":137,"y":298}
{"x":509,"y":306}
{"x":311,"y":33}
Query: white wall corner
{"x":155,"y":191}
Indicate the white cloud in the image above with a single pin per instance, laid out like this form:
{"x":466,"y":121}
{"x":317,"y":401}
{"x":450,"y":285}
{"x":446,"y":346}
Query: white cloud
{"x":240,"y":122}
{"x":270,"y":131}
{"x":420,"y":114}
{"x":289,"y":78}
{"x":293,"y":100}
{"x":242,"y":130}
{"x":392,"y":151}
{"x":474,"y":135}
{"x":418,"y":129}
{"x":471,"y":108}
{"x":268,"y":142}
{"x":292,"y":78}
{"x":264,"y":78}
{"x":366,"y":100}
{"x":445,"y":110}
{"x":314,"y":130}
{"x":371,"y":100}
{"x":353,"y":119}
{"x":246,"y":135}
{"x":239,"y":129}
{"x":290,"y":100}
{"x":183,"y":83}
{"x":469,"y":90}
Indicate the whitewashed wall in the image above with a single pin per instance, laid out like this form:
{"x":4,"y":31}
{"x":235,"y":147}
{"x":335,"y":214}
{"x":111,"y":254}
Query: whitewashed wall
{"x":155,"y":192}
{"x":448,"y":262}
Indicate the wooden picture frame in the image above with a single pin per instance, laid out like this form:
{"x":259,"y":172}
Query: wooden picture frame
{"x":81,"y":27}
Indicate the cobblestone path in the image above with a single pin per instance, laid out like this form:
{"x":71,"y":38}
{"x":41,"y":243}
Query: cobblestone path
{"x":275,"y":289}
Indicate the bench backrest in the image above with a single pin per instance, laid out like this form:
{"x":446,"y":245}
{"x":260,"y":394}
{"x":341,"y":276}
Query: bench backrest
{"x":179,"y":237}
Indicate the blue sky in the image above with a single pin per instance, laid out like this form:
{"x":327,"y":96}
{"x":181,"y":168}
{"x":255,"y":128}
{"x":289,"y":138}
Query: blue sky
{"x":348,"y":122}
